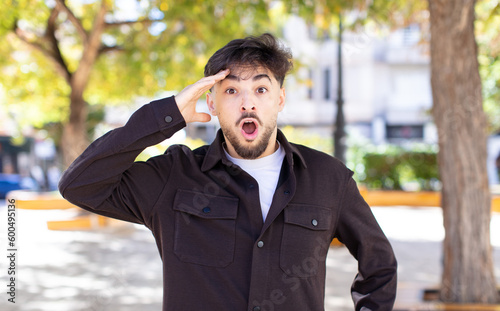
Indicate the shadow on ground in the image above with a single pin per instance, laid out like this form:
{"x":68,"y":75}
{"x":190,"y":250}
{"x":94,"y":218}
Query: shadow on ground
{"x":119,"y":269}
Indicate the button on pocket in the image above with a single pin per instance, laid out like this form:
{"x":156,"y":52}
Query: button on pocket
{"x":306,"y":238}
{"x":205,"y":228}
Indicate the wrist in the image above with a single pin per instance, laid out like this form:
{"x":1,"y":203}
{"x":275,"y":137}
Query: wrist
{"x":167,"y":113}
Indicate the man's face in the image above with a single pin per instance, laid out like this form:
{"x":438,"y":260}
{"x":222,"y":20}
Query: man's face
{"x":247,"y":103}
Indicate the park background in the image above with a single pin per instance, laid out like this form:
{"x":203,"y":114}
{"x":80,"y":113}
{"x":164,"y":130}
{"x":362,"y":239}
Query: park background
{"x":72,"y":70}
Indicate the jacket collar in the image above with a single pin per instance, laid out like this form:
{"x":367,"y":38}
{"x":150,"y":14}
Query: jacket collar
{"x":216,"y":153}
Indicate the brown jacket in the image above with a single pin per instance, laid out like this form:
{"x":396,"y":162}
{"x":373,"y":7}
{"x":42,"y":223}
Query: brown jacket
{"x":205,"y":216}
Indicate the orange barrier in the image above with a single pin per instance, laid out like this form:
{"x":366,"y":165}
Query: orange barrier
{"x":406,"y":198}
{"x":462,"y":307}
{"x":495,"y":203}
{"x":54,"y":200}
{"x":39,"y":200}
{"x":439,"y":306}
{"x":393,"y":198}
{"x":91,"y":221}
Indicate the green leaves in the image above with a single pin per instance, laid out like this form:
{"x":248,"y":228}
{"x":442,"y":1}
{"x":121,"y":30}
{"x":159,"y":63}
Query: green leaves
{"x":147,"y":47}
{"x":152,"y":46}
{"x":487,"y":28}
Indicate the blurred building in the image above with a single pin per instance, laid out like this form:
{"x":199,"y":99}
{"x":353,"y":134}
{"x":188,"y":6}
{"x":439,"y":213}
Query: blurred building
{"x":386,"y":83}
{"x":386,"y":86}
{"x":494,"y":159}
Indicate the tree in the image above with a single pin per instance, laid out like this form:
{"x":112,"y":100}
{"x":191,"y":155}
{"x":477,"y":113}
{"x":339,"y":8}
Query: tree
{"x":462,"y":128}
{"x":62,"y":56}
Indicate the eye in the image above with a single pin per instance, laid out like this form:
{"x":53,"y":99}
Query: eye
{"x":230,"y":91}
{"x":261,"y":90}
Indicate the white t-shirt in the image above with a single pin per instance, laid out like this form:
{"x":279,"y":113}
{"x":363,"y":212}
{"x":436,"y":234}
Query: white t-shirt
{"x":266,"y":171}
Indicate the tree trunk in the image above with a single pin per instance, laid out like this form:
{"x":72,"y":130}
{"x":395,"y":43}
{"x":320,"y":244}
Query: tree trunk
{"x":468,"y":275}
{"x":74,"y":138}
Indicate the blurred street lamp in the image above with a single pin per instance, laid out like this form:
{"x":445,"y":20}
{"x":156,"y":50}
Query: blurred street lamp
{"x":339,"y":133}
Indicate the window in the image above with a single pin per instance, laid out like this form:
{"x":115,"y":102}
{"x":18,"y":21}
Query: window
{"x":411,"y":35}
{"x":310,"y":93}
{"x":405,"y":131}
{"x":327,"y":79}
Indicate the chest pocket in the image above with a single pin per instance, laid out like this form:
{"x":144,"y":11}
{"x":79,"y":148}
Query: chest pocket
{"x":306,"y":239}
{"x":205,"y":228}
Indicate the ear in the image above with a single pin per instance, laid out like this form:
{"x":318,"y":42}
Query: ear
{"x":211,"y":104}
{"x":282,"y":98}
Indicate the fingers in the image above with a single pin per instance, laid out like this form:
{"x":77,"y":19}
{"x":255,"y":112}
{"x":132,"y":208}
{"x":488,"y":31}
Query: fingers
{"x":221,"y":75}
{"x":187,"y":98}
{"x":197,"y":89}
{"x":210,"y":81}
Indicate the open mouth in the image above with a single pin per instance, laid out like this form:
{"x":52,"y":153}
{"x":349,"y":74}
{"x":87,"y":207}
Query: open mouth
{"x":249,"y":129}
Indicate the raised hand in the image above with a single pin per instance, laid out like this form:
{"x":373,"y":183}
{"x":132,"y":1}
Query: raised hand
{"x":187,"y":98}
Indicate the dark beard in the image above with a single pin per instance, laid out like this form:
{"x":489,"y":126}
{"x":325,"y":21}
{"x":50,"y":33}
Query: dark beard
{"x":250,"y":153}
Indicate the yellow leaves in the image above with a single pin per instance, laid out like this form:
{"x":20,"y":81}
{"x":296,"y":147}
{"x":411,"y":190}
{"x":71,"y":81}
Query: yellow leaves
{"x":201,"y":60}
{"x":87,"y":23}
{"x":164,"y":6}
{"x":487,"y":32}
{"x":35,"y":94}
{"x":148,"y":79}
{"x":138,"y":26}
{"x":321,"y":21}
{"x":182,"y":40}
{"x":145,"y":62}
{"x":487,"y":27}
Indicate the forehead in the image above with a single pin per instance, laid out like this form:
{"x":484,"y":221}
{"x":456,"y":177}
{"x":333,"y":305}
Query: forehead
{"x":250,"y":73}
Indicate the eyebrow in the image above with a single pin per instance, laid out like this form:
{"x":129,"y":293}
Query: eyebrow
{"x":255,"y":78}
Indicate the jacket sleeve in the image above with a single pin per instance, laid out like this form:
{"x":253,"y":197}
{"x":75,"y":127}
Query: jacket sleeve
{"x":105,"y":180}
{"x":374,"y":287}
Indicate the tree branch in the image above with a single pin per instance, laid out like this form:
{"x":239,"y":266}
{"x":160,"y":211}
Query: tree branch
{"x":50,"y":36}
{"x":494,"y":12}
{"x":73,"y":19}
{"x":59,"y":66}
{"x":90,"y":52}
{"x":51,"y":22}
{"x":24,"y":36}
{"x":142,"y":21}
{"x":105,"y":49}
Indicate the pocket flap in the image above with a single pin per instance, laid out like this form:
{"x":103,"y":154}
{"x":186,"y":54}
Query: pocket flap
{"x":308,"y":216}
{"x":206,"y":205}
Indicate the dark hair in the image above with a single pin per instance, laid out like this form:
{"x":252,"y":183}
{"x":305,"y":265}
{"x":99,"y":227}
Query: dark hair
{"x":265,"y":51}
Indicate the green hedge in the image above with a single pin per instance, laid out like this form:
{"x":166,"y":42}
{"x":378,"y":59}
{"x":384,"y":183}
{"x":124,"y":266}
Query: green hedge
{"x":400,"y":170}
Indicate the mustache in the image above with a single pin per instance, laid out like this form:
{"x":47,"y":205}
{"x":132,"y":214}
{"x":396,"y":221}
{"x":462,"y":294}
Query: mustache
{"x":252,"y":115}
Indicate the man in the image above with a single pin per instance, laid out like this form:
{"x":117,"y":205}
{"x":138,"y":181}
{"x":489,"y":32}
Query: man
{"x":246,"y":222}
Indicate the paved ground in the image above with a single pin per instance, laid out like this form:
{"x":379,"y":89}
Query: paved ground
{"x":119,"y":269}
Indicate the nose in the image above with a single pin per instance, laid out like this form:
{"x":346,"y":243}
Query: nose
{"x":247,"y":104}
